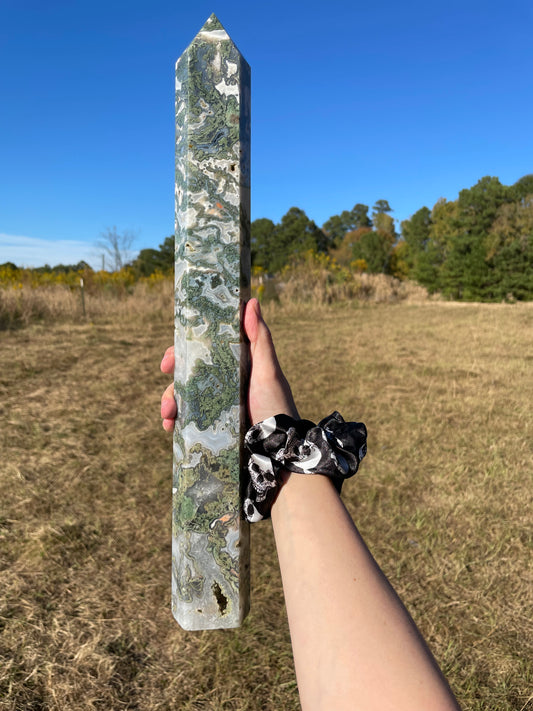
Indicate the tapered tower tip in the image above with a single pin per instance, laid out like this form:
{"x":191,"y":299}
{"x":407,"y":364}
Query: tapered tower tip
{"x":213,"y":23}
{"x":212,"y":31}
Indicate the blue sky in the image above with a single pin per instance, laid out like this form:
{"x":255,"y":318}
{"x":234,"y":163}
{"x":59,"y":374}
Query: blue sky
{"x":352,"y":102}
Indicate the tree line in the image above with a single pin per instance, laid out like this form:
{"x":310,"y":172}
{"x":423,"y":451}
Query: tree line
{"x":476,"y":248}
{"x":350,"y":237}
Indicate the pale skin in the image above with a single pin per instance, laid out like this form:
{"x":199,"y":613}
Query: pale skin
{"x":355,"y":645}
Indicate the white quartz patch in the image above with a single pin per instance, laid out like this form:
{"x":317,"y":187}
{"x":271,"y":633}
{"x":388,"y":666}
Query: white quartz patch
{"x":196,"y":350}
{"x":198,"y":331}
{"x":213,"y":35}
{"x":232,"y":543}
{"x":217,"y":438}
{"x":226,"y":328}
{"x":227,"y":89}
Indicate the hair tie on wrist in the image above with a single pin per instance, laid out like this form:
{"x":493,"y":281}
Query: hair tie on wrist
{"x":334,"y":448}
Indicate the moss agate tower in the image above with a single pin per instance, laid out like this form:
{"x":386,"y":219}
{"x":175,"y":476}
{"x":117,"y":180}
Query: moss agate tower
{"x":210,"y":540}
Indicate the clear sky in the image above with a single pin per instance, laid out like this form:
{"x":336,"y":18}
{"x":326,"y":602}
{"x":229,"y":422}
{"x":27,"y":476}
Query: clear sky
{"x":352,"y":102}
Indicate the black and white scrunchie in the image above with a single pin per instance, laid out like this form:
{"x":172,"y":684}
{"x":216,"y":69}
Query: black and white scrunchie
{"x":333,"y":447}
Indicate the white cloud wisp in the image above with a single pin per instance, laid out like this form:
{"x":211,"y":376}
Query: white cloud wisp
{"x":36,"y":252}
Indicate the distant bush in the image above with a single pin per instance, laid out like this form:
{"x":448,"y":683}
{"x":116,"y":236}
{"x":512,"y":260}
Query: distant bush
{"x":28,"y":295}
{"x":319,"y":279}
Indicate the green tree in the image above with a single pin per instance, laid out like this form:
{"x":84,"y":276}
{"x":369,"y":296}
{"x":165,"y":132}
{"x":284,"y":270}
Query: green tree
{"x":295,"y":234}
{"x":360,"y":216}
{"x":167,"y":250}
{"x":466,"y":273}
{"x":349,"y":220}
{"x":262,"y":231}
{"x":417,"y":241}
{"x":66,"y":268}
{"x":429,"y":236}
{"x":381,"y":207}
{"x":444,"y":222}
{"x":382,"y":221}
{"x":147,"y":262}
{"x":415,"y":232}
{"x":398,"y":265}
{"x":513,"y":269}
{"x":478,"y":205}
{"x":375,"y":247}
{"x":509,"y":251}
{"x":513,"y":221}
{"x":523,"y":187}
{"x":343,"y":253}
{"x":150,"y":260}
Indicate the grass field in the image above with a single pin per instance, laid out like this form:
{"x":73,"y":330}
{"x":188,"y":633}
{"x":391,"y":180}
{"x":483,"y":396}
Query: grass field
{"x":443,"y":499}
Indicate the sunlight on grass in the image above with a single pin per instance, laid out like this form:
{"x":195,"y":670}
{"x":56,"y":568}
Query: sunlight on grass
{"x":443,"y":500}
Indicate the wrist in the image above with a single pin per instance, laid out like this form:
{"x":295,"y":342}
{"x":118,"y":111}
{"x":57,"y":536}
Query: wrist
{"x":280,"y":445}
{"x":296,"y":491}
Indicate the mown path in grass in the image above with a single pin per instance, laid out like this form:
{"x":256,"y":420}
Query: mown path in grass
{"x":443,"y":499}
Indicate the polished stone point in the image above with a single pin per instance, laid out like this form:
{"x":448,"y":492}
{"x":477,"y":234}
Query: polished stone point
{"x":210,"y":539}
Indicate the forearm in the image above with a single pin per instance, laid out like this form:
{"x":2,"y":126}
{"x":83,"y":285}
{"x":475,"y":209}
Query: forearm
{"x":354,"y":644}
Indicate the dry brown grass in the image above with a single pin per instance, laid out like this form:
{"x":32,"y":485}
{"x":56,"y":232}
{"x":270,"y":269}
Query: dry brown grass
{"x":85,"y":476}
{"x":318,"y":279}
{"x":44,"y":304}
{"x":318,"y":290}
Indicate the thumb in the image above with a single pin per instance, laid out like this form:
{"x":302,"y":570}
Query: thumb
{"x":269,"y":392}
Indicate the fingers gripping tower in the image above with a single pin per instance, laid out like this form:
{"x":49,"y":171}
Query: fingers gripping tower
{"x":210,"y":540}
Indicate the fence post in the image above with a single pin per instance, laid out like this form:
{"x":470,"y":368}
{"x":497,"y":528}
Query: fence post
{"x":210,"y":539}
{"x":82,"y":288}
